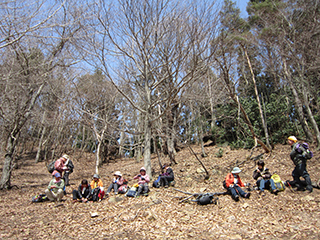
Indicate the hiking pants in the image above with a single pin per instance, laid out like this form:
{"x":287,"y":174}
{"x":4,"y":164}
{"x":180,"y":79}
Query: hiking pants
{"x":301,"y":171}
{"x":114,"y":186}
{"x":75,"y":195}
{"x":143,"y":188}
{"x":266,"y":184}
{"x":234,"y":192}
{"x":54,"y":196}
{"x":164,"y":180}
{"x":66,"y":178}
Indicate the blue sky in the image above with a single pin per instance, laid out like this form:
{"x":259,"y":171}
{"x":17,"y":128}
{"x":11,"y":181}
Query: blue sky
{"x":242,"y":4}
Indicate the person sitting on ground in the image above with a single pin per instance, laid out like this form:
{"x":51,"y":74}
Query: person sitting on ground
{"x":167,"y":176}
{"x":83,"y":193}
{"x":97,"y":188}
{"x":263,"y":177}
{"x":300,"y":162}
{"x":143,"y":182}
{"x":117,"y":182}
{"x":234,"y":184}
{"x":55,"y":188}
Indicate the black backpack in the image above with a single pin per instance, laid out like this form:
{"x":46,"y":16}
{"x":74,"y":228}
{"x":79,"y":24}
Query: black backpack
{"x":50,"y":166}
{"x":70,"y":166}
{"x":206,"y":198}
{"x":95,"y":194}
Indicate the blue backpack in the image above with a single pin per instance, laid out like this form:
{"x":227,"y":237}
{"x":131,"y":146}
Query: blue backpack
{"x":132,"y":192}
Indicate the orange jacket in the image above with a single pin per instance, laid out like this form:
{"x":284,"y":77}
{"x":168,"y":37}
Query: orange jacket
{"x":94,"y":184}
{"x":230,"y":180}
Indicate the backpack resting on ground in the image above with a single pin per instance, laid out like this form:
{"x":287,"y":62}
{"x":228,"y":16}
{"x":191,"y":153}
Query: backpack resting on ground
{"x":277,"y":182}
{"x":132,"y":192}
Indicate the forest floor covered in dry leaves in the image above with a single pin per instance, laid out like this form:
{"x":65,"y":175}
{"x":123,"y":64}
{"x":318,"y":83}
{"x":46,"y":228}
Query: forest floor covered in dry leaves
{"x":289,"y":215}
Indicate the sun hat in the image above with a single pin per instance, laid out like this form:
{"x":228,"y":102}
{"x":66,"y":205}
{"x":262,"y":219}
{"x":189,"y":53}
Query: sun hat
{"x":118,"y":173}
{"x":236,"y":170}
{"x":95,"y":175}
{"x":66,"y":156}
{"x":293,"y":138}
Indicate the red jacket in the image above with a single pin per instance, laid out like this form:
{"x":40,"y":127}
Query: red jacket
{"x":230,"y":180}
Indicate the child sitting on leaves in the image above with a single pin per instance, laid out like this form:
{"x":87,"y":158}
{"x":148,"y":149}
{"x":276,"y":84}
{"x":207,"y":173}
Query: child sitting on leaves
{"x":234,"y":184}
{"x":263,"y":177}
{"x":143,"y":182}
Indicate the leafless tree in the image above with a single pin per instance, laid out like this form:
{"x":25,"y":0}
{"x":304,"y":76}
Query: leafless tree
{"x":34,"y":35}
{"x":154,"y":45}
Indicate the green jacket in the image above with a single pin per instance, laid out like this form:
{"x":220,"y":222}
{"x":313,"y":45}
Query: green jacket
{"x":59,"y":185}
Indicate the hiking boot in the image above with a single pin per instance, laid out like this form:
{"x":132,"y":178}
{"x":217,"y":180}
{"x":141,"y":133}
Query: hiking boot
{"x":275,"y":191}
{"x":309,"y":189}
{"x":166,"y":186}
{"x":300,"y":189}
{"x":247,"y":195}
{"x":261,"y":193}
{"x":236,"y":198}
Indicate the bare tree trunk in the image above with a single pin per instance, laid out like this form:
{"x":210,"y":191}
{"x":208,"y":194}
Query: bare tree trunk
{"x":264,"y":125}
{"x":98,"y":159}
{"x":7,"y":166}
{"x":203,"y":154}
{"x":226,"y":79}
{"x":11,"y":144}
{"x":311,"y":118}
{"x":298,"y":104}
{"x":41,"y":138}
{"x":147,"y":147}
{"x":121,"y":142}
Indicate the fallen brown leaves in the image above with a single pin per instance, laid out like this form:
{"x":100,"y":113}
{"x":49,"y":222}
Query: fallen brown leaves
{"x":160,"y":216}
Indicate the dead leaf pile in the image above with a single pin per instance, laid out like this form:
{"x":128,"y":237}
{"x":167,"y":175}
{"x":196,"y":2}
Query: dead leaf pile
{"x":289,"y":215}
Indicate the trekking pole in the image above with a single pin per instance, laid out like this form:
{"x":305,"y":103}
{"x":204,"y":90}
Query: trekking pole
{"x":239,"y":194}
{"x":290,"y":187}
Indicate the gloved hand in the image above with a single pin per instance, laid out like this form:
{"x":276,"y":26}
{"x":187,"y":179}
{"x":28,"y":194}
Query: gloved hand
{"x":142,"y":178}
{"x":139,"y":175}
{"x":231,"y":185}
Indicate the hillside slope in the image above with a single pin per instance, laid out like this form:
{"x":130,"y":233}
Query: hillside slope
{"x":289,"y":215}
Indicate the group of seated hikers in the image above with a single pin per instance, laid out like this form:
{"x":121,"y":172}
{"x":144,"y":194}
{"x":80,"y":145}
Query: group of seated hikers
{"x":95,"y":190}
{"x":262,"y":176}
{"x":264,"y":180}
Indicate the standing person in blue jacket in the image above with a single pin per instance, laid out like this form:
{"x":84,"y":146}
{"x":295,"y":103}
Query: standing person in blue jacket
{"x":167,"y":176}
